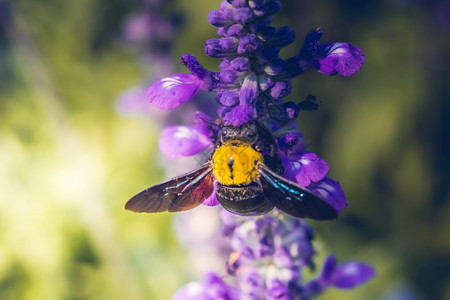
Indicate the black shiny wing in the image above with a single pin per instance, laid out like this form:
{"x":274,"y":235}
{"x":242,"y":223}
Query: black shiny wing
{"x":292,"y":199}
{"x":177,"y":194}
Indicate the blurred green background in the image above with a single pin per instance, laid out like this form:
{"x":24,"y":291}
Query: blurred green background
{"x":69,"y":160}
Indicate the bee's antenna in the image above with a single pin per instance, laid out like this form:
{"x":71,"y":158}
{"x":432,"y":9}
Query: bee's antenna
{"x":218,"y":126}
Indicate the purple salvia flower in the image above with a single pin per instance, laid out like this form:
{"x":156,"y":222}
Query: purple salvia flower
{"x":280,"y":90}
{"x":306,"y":168}
{"x":177,"y":141}
{"x":330,"y":59}
{"x":282,"y":37}
{"x":249,"y":90}
{"x":220,"y":48}
{"x":195,"y":67}
{"x":211,"y":200}
{"x":228,"y":98}
{"x":340,"y":58}
{"x":219,"y":19}
{"x":236,"y":30}
{"x":265,"y":82}
{"x":211,"y":288}
{"x":245,"y":33}
{"x":242,"y":15}
{"x":344,"y":276}
{"x":168,"y":93}
{"x":239,"y":115}
{"x":248,"y":44}
{"x":351,"y":274}
{"x":330,"y":191}
{"x":269,"y":253}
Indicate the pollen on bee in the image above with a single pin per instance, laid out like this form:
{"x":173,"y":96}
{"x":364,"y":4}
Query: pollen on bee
{"x":243,"y":169}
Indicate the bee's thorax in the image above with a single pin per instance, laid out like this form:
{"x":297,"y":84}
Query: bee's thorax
{"x":234,"y":163}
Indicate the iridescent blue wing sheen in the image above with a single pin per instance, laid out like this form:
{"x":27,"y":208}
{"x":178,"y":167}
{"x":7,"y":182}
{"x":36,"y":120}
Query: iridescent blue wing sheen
{"x":178,"y":194}
{"x":292,"y":199}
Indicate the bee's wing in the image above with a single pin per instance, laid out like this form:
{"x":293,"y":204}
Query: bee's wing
{"x":177,"y":194}
{"x":292,"y":199}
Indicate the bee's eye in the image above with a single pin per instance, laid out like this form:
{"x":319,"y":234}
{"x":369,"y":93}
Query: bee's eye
{"x":250,"y":134}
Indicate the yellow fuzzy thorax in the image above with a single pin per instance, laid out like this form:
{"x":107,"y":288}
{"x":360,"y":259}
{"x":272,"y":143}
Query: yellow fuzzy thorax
{"x":234,"y":163}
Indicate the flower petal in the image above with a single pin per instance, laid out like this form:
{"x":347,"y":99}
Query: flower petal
{"x":329,"y":267}
{"x":211,"y":200}
{"x":340,"y":58}
{"x":168,"y":93}
{"x":351,"y":274}
{"x":239,"y":115}
{"x":330,"y":191}
{"x":249,"y":90}
{"x":306,"y":169}
{"x":314,"y":168}
{"x":177,"y":141}
{"x":210,"y":288}
{"x":329,"y":59}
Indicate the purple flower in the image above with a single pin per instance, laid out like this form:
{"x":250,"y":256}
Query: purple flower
{"x":329,"y":59}
{"x":196,"y":68}
{"x":168,"y":93}
{"x":177,"y":141}
{"x":242,"y":15}
{"x":268,"y":253}
{"x":239,"y":115}
{"x":248,"y":44}
{"x":221,"y":48}
{"x":211,"y":288}
{"x":249,"y":90}
{"x":340,"y":58}
{"x":218,"y":18}
{"x":307,"y":168}
{"x":351,"y":274}
{"x":346,"y":275}
{"x":228,"y":98}
{"x":282,"y":37}
{"x":330,"y":191}
{"x":280,"y":90}
{"x":211,"y":200}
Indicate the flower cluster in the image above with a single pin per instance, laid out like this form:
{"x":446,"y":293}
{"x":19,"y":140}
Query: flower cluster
{"x":270,"y":251}
{"x":266,"y":262}
{"x":252,"y":82}
{"x":253,"y":79}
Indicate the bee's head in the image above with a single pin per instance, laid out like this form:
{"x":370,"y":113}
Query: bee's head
{"x":247,"y":132}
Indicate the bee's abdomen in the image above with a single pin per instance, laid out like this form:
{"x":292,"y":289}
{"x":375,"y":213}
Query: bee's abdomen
{"x":234,"y":164}
{"x":244,"y":200}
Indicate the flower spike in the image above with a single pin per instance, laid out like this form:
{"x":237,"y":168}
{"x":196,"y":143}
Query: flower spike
{"x":260,"y":169}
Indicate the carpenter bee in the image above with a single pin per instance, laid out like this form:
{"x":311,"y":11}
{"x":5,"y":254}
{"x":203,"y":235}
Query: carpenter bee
{"x":245,"y":172}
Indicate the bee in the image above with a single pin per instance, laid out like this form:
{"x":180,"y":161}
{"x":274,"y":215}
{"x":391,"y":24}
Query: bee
{"x":245,"y":172}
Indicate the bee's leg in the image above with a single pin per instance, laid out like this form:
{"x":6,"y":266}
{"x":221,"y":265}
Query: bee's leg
{"x":273,"y":150}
